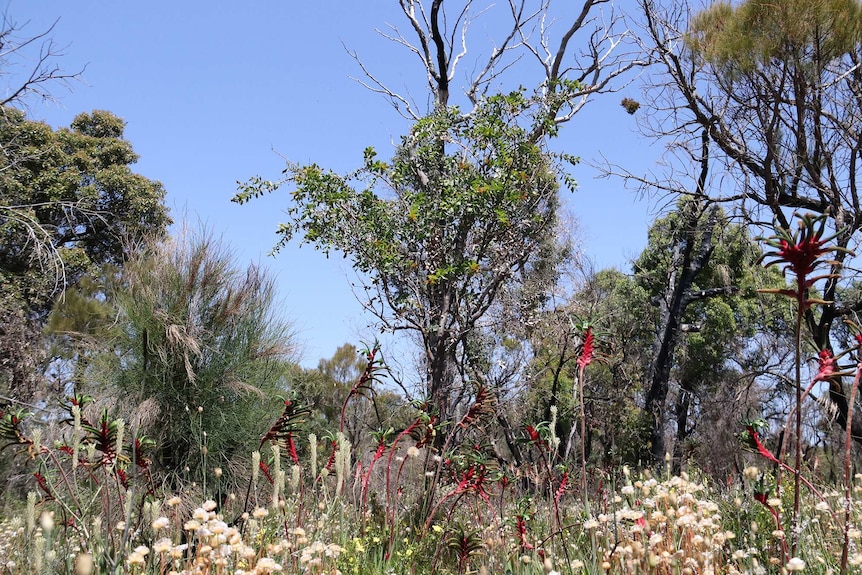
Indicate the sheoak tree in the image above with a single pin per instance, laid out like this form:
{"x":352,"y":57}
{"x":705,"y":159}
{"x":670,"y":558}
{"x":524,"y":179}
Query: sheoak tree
{"x":192,"y":344}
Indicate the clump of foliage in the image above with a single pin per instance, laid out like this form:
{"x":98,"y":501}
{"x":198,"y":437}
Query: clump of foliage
{"x":195,"y":344}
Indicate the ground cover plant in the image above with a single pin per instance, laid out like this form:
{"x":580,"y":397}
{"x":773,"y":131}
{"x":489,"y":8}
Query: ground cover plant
{"x":104,"y":515}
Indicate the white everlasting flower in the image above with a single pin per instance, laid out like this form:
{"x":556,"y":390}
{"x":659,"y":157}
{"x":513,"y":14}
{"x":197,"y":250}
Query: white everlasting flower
{"x":218,"y":527}
{"x":135,"y":559}
{"x":268,"y":565}
{"x":46,"y":520}
{"x":163,"y":545}
{"x":160,"y":523}
{"x":795,"y":564}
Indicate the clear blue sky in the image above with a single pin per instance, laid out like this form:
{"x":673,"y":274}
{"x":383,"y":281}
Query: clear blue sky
{"x":215,"y":92}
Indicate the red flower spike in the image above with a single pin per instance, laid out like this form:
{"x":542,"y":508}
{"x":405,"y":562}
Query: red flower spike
{"x":588,"y":348}
{"x":291,"y":417}
{"x":800,"y":253}
{"x":521,"y":526}
{"x":535,"y":436}
{"x":564,"y":483}
{"x":826,"y":366}
{"x":481,"y":406}
{"x":333,"y":450}
{"x":43,"y":485}
{"x":761,"y":449}
{"x":381,"y":448}
{"x":291,"y":449}
{"x":124,"y":479}
{"x":265,"y":468}
{"x":802,"y":257}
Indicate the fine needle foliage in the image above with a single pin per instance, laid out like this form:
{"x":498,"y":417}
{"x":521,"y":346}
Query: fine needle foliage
{"x":196,"y":350}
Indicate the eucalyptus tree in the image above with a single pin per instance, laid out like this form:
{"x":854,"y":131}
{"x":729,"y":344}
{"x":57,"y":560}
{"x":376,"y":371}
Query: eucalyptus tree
{"x":679,"y":340}
{"x":701,"y":273}
{"x":467,"y":207}
{"x":71,"y":193}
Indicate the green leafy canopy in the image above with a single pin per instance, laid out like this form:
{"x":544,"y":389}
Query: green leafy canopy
{"x":69,"y":202}
{"x":470,"y":182}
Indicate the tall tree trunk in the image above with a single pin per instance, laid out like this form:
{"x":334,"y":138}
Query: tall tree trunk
{"x":441,"y":373}
{"x":670,"y":313}
{"x":683,"y":405}
{"x":678,"y":293}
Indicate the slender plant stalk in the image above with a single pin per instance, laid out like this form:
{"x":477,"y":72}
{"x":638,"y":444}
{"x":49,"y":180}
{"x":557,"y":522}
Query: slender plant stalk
{"x":800,"y":253}
{"x":797,"y":467}
{"x":585,"y":358}
{"x":848,"y":438}
{"x":584,"y":492}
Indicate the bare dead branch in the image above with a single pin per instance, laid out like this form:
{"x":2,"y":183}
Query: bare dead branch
{"x":443,"y":44}
{"x":409,"y":9}
{"x":41,"y":69}
{"x":378,"y":87}
{"x":488,"y":73}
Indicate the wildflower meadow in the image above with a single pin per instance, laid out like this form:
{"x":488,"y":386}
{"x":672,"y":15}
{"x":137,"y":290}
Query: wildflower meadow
{"x":427,"y":498}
